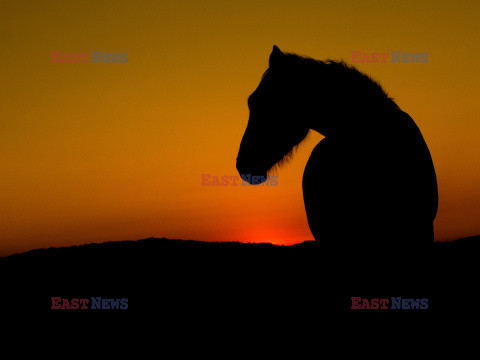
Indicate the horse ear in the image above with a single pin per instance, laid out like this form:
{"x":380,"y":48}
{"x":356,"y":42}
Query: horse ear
{"x":277,"y":57}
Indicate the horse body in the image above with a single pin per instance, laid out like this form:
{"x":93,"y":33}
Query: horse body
{"x":373,"y":192}
{"x":370,"y":183}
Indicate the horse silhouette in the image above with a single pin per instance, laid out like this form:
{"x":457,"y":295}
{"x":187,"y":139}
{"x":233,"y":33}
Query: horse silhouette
{"x":370,"y":184}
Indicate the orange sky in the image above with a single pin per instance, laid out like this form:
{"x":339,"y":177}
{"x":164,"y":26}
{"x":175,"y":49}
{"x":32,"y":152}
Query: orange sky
{"x":98,"y":152}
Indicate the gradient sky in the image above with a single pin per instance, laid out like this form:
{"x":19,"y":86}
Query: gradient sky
{"x":99,"y":152}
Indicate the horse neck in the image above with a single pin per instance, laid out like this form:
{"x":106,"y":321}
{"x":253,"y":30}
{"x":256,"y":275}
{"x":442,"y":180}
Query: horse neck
{"x":347,"y":111}
{"x":355,"y":122}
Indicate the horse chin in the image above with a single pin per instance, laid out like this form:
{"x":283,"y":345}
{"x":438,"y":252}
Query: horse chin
{"x":253,"y":176}
{"x":255,"y":179}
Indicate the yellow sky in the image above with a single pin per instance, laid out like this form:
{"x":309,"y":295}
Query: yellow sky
{"x":97,"y":152}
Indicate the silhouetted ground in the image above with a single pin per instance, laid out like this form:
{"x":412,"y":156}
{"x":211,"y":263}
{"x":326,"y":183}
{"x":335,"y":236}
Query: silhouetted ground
{"x":232,"y":283}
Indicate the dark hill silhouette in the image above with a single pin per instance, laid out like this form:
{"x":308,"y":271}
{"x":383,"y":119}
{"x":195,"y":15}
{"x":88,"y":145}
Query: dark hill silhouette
{"x":206,"y":279}
{"x":145,"y":246}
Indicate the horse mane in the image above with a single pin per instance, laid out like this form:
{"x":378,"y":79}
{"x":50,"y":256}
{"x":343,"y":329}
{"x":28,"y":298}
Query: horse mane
{"x":358,"y":80}
{"x":340,"y":75}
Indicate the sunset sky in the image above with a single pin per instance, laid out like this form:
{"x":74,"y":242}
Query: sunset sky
{"x":116,"y":151}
